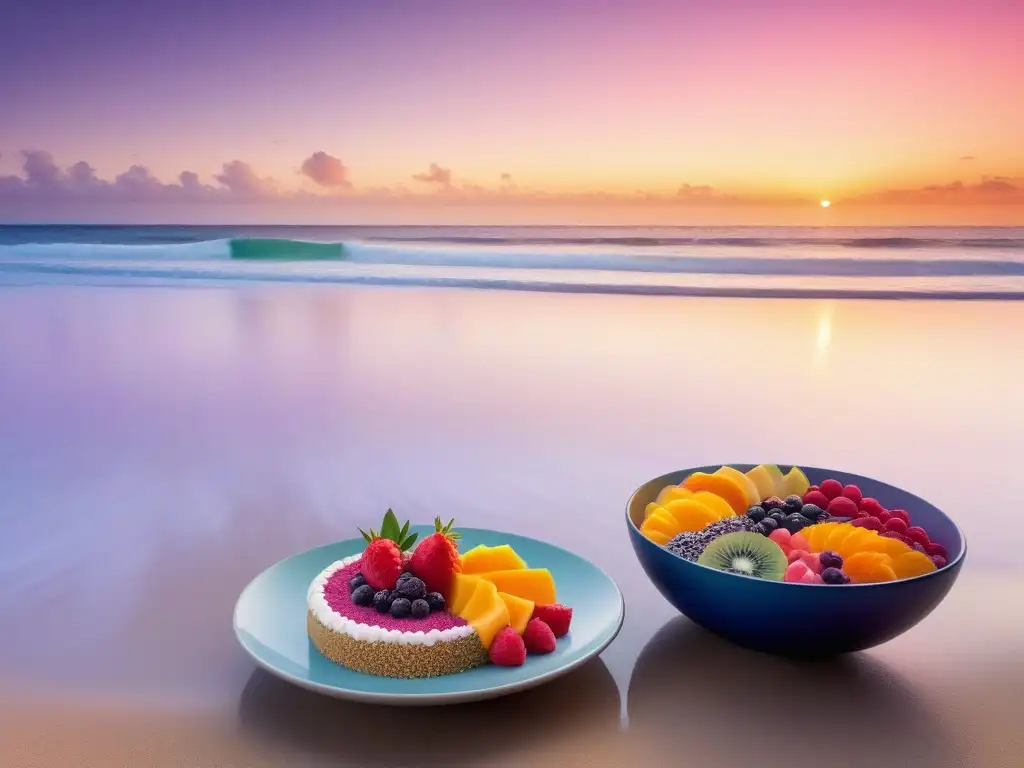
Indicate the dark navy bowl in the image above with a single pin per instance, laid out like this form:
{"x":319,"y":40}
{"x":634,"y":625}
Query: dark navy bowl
{"x":799,"y":619}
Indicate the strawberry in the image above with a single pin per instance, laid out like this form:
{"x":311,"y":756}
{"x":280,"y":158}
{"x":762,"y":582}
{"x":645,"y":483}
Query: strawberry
{"x":556,"y":616}
{"x":381,"y":563}
{"x":538,"y":637}
{"x":436,"y":559}
{"x":507,"y":649}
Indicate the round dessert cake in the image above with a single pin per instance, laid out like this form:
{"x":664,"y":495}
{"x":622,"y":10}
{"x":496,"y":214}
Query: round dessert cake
{"x":363,"y":639}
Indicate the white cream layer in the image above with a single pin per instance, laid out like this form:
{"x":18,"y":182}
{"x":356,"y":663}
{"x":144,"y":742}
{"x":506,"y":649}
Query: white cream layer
{"x":335,"y":622}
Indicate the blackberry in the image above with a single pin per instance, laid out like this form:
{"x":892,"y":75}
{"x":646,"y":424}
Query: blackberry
{"x":771,"y":503}
{"x":795,"y":522}
{"x":793,"y":503}
{"x":824,"y":517}
{"x":420,"y":609}
{"x":760,"y":529}
{"x":355,"y":583}
{"x":403,"y":576}
{"x":834,"y":576}
{"x":770,"y":523}
{"x":811,"y":511}
{"x":435,"y":600}
{"x":690,"y":544}
{"x":756,"y":513}
{"x":400,"y":608}
{"x":382,"y":601}
{"x":411,"y":588}
{"x":777,"y":515}
{"x":831,"y":559}
{"x":363,"y":595}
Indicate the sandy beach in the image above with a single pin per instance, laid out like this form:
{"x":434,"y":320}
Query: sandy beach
{"x":150,"y":436}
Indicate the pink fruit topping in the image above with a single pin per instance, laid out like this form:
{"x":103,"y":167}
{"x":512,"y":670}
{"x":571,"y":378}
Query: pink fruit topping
{"x":902,"y":514}
{"x":832,"y":488}
{"x":852,"y":492}
{"x":817,"y":498}
{"x":841,"y":506}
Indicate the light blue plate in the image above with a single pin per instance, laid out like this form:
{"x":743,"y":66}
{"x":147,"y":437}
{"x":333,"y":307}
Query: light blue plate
{"x":270,"y":623}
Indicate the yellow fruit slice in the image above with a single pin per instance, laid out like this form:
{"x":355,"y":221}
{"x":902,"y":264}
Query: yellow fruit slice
{"x":462,"y":590}
{"x":911,"y":564}
{"x":795,"y":483}
{"x":883,"y":544}
{"x":869,"y":567}
{"x":659,"y":538}
{"x":853,"y":543}
{"x":776,"y":477}
{"x":817,"y":534}
{"x":671,"y":493}
{"x":651,"y":508}
{"x":519,"y":611}
{"x":716,"y":504}
{"x":719,"y":485}
{"x":762,"y":480}
{"x":536,"y":584}
{"x":489,"y":624}
{"x":836,"y":536}
{"x":748,"y":486}
{"x":691,"y":515}
{"x":662,"y":522}
{"x":482,"y":558}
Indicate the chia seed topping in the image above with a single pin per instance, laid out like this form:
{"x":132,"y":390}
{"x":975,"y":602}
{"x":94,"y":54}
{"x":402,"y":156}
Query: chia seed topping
{"x":691,"y":544}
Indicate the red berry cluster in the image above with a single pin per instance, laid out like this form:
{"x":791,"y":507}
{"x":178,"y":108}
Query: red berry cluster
{"x":865,"y":512}
{"x":548,"y":622}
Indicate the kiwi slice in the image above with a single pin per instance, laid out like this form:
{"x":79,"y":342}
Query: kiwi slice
{"x":749,"y":554}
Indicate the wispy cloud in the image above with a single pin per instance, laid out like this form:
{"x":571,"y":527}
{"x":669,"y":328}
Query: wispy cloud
{"x":994,"y":190}
{"x":435,"y":174}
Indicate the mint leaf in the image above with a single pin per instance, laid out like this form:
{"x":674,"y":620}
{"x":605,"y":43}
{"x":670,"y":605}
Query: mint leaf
{"x":390,"y":529}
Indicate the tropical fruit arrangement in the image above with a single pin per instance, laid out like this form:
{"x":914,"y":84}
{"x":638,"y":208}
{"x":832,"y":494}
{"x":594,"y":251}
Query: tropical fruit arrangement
{"x":401,"y":610}
{"x":770,"y":525}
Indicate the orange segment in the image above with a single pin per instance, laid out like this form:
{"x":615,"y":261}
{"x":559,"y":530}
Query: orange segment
{"x":662,"y":522}
{"x":836,"y":536}
{"x":853,"y":543}
{"x":690,"y":515}
{"x":651,"y":508}
{"x":911,"y":564}
{"x":891,"y":547}
{"x":720,"y":485}
{"x":659,"y":538}
{"x":716,"y":504}
{"x":817,"y":534}
{"x":671,"y":493}
{"x":869,"y":567}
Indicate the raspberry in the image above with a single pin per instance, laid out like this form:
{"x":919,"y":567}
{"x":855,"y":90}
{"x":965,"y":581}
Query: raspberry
{"x":902,"y":514}
{"x":841,"y":506}
{"x":538,"y":637}
{"x":932,"y":548}
{"x":556,"y":616}
{"x":917,"y":545}
{"x":852,"y":492}
{"x":814,"y":488}
{"x":896,"y":524}
{"x":507,"y":649}
{"x":817,"y":498}
{"x":870,"y":505}
{"x":939,"y":561}
{"x":892,"y":535}
{"x":871,"y":523}
{"x":883,"y":516}
{"x":831,"y":488}
{"x":916,"y":534}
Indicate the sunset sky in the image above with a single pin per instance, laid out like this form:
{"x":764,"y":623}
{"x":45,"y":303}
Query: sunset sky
{"x":900,"y":111}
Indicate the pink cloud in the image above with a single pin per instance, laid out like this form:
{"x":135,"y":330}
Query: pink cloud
{"x":435,"y":174}
{"x":326,"y":170}
{"x":995,"y":190}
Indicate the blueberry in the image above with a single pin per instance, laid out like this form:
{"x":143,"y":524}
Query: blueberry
{"x":756,"y":513}
{"x":811,"y":511}
{"x":362,"y":595}
{"x":411,"y":588}
{"x":435,"y":600}
{"x":769,"y":523}
{"x":834,"y":576}
{"x":793,"y":503}
{"x":772,"y":502}
{"x":355,"y":583}
{"x":382,"y":601}
{"x":405,"y":575}
{"x":824,"y":517}
{"x":831,"y":559}
{"x":400,"y":608}
{"x":760,"y":529}
{"x":777,"y":515}
{"x":420,"y":609}
{"x":795,"y":522}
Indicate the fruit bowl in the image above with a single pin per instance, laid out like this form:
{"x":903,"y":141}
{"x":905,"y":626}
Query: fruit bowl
{"x":797,"y":619}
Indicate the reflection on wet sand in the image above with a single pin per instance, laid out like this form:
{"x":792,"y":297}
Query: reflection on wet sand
{"x":694,"y":694}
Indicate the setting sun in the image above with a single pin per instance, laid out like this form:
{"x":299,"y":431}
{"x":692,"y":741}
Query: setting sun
{"x":826,"y":203}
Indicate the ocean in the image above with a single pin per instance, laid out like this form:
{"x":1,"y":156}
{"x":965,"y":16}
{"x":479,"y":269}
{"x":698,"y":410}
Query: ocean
{"x":811,"y":262}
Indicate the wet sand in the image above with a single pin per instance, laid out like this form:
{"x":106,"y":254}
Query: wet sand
{"x":160,"y":446}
